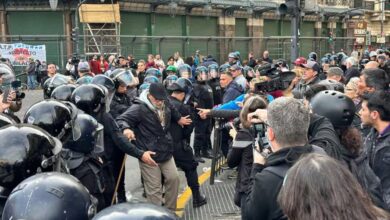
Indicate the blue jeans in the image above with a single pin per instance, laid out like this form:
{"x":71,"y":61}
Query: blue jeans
{"x":31,"y":79}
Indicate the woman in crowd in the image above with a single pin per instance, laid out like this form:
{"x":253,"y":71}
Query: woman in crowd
{"x":329,"y":191}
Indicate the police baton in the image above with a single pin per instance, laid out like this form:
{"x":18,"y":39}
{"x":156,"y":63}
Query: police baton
{"x":118,"y":179}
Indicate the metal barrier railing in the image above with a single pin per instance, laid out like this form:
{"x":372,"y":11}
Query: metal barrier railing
{"x":218,"y":159}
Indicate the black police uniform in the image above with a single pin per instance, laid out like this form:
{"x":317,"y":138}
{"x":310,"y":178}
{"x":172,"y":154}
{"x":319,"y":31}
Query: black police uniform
{"x":183,"y":155}
{"x":115,"y":143}
{"x":203,"y":95}
{"x":217,"y":90}
{"x":119,"y":104}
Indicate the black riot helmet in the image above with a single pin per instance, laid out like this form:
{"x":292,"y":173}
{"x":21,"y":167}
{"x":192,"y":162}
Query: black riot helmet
{"x":63,"y":92}
{"x":223,"y":68}
{"x":90,"y":98}
{"x":7,"y":74}
{"x":248,"y":72}
{"x":108,"y":86}
{"x":213,"y":71}
{"x":187,"y":86}
{"x":52,"y":116}
{"x":6,"y":120}
{"x":90,"y":136}
{"x":185,"y":71}
{"x":122,"y":77}
{"x":336,"y":106}
{"x":201,"y":73}
{"x":138,"y":211}
{"x":23,"y":150}
{"x":52,"y":83}
{"x":154,"y":72}
{"x":312,"y":56}
{"x":61,"y":196}
{"x":170,"y":80}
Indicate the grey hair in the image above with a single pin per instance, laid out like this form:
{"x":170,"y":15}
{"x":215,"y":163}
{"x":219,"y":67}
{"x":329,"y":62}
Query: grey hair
{"x":289,"y":119}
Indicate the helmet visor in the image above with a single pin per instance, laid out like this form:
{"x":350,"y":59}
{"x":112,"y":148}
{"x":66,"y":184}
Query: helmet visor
{"x":126,"y":79}
{"x":99,"y":139}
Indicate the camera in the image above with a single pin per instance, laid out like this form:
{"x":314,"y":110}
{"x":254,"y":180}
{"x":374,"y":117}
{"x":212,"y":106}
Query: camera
{"x":15,"y":86}
{"x":260,"y":130}
{"x":75,"y":61}
{"x":279,"y":81}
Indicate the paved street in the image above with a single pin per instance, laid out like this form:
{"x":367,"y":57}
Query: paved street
{"x":133,"y":177}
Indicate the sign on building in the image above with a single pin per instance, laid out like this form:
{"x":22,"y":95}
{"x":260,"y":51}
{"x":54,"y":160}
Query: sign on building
{"x":19,"y":53}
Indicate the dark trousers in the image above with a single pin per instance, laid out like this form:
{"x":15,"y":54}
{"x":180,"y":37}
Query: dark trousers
{"x":243,"y":204}
{"x":116,"y":167}
{"x":185,"y":160}
{"x":202,"y":134}
{"x":225,"y":142}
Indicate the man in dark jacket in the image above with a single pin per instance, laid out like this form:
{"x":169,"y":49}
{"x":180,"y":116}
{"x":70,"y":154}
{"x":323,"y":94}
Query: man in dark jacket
{"x":288,"y":121}
{"x":375,"y":112}
{"x":184,"y":158}
{"x":232,"y":89}
{"x":150,"y":118}
{"x":31,"y":75}
{"x":309,"y":77}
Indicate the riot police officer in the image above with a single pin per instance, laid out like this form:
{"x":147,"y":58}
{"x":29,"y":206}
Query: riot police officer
{"x":184,"y":158}
{"x":48,"y":196}
{"x":80,"y":155}
{"x":63,"y":92}
{"x":92,"y":99}
{"x":214,"y":83}
{"x":123,"y":79}
{"x":203,"y":95}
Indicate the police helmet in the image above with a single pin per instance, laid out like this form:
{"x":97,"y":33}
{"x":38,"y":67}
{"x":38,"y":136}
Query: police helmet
{"x":63,"y":92}
{"x":89,"y":98}
{"x":170,"y":80}
{"x":105,"y":81}
{"x":324,"y":60}
{"x":380,"y":51}
{"x":122,"y":77}
{"x":23,"y":150}
{"x":336,"y":106}
{"x":61,"y":195}
{"x":151,"y":79}
{"x":6,"y":120}
{"x":363,"y":62}
{"x":334,"y":58}
{"x":248,"y":72}
{"x":331,"y":84}
{"x":312,"y":56}
{"x":154,"y":72}
{"x":234,"y":55}
{"x":185,"y":71}
{"x":187,"y":86}
{"x":138,"y":211}
{"x":89,"y":136}
{"x":224,"y":67}
{"x":144,"y":86}
{"x":328,"y":55}
{"x":51,"y":83}
{"x":201,"y":73}
{"x":84,"y":80}
{"x":6,"y":73}
{"x":52,"y":116}
{"x":213,"y":71}
{"x":373,"y":54}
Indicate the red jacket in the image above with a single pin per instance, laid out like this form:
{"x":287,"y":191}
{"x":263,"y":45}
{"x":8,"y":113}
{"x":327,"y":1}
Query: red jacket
{"x":95,"y":66}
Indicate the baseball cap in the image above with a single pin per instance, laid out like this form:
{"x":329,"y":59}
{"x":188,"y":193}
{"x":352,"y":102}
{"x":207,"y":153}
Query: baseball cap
{"x":299,"y":61}
{"x":311,"y":65}
{"x":83,"y":66}
{"x":157,"y":90}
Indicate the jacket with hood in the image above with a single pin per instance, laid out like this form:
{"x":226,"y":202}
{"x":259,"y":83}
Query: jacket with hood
{"x":302,"y":86}
{"x":232,"y":91}
{"x":150,"y":129}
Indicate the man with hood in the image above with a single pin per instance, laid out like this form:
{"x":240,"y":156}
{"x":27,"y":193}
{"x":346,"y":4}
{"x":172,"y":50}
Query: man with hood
{"x":150,"y":119}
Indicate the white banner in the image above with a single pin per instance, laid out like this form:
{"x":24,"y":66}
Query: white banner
{"x":19,"y":54}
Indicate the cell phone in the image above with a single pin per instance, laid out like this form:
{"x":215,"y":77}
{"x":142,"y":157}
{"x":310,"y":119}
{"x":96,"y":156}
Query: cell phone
{"x":5,"y":95}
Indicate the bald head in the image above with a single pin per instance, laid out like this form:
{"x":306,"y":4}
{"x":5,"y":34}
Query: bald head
{"x":371,"y":65}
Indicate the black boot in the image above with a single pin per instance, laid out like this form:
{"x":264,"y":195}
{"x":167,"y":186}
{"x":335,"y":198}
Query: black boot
{"x":197,"y":157}
{"x":198,"y":199}
{"x":206,"y":153}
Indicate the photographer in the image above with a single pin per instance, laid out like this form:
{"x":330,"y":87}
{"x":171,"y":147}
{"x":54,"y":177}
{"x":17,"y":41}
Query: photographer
{"x":241,"y":154}
{"x":8,"y":95}
{"x":288,"y":122}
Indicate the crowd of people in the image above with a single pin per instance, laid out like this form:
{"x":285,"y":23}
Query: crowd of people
{"x":307,"y":142}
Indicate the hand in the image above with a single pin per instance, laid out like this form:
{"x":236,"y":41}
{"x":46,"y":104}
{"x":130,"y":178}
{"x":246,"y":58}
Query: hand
{"x":147,"y":158}
{"x":4,"y":106}
{"x":258,"y":157}
{"x":11,"y":96}
{"x":295,"y":81}
{"x":260,"y":115}
{"x":129,"y":134}
{"x":203,"y":112}
{"x":185,"y":121}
